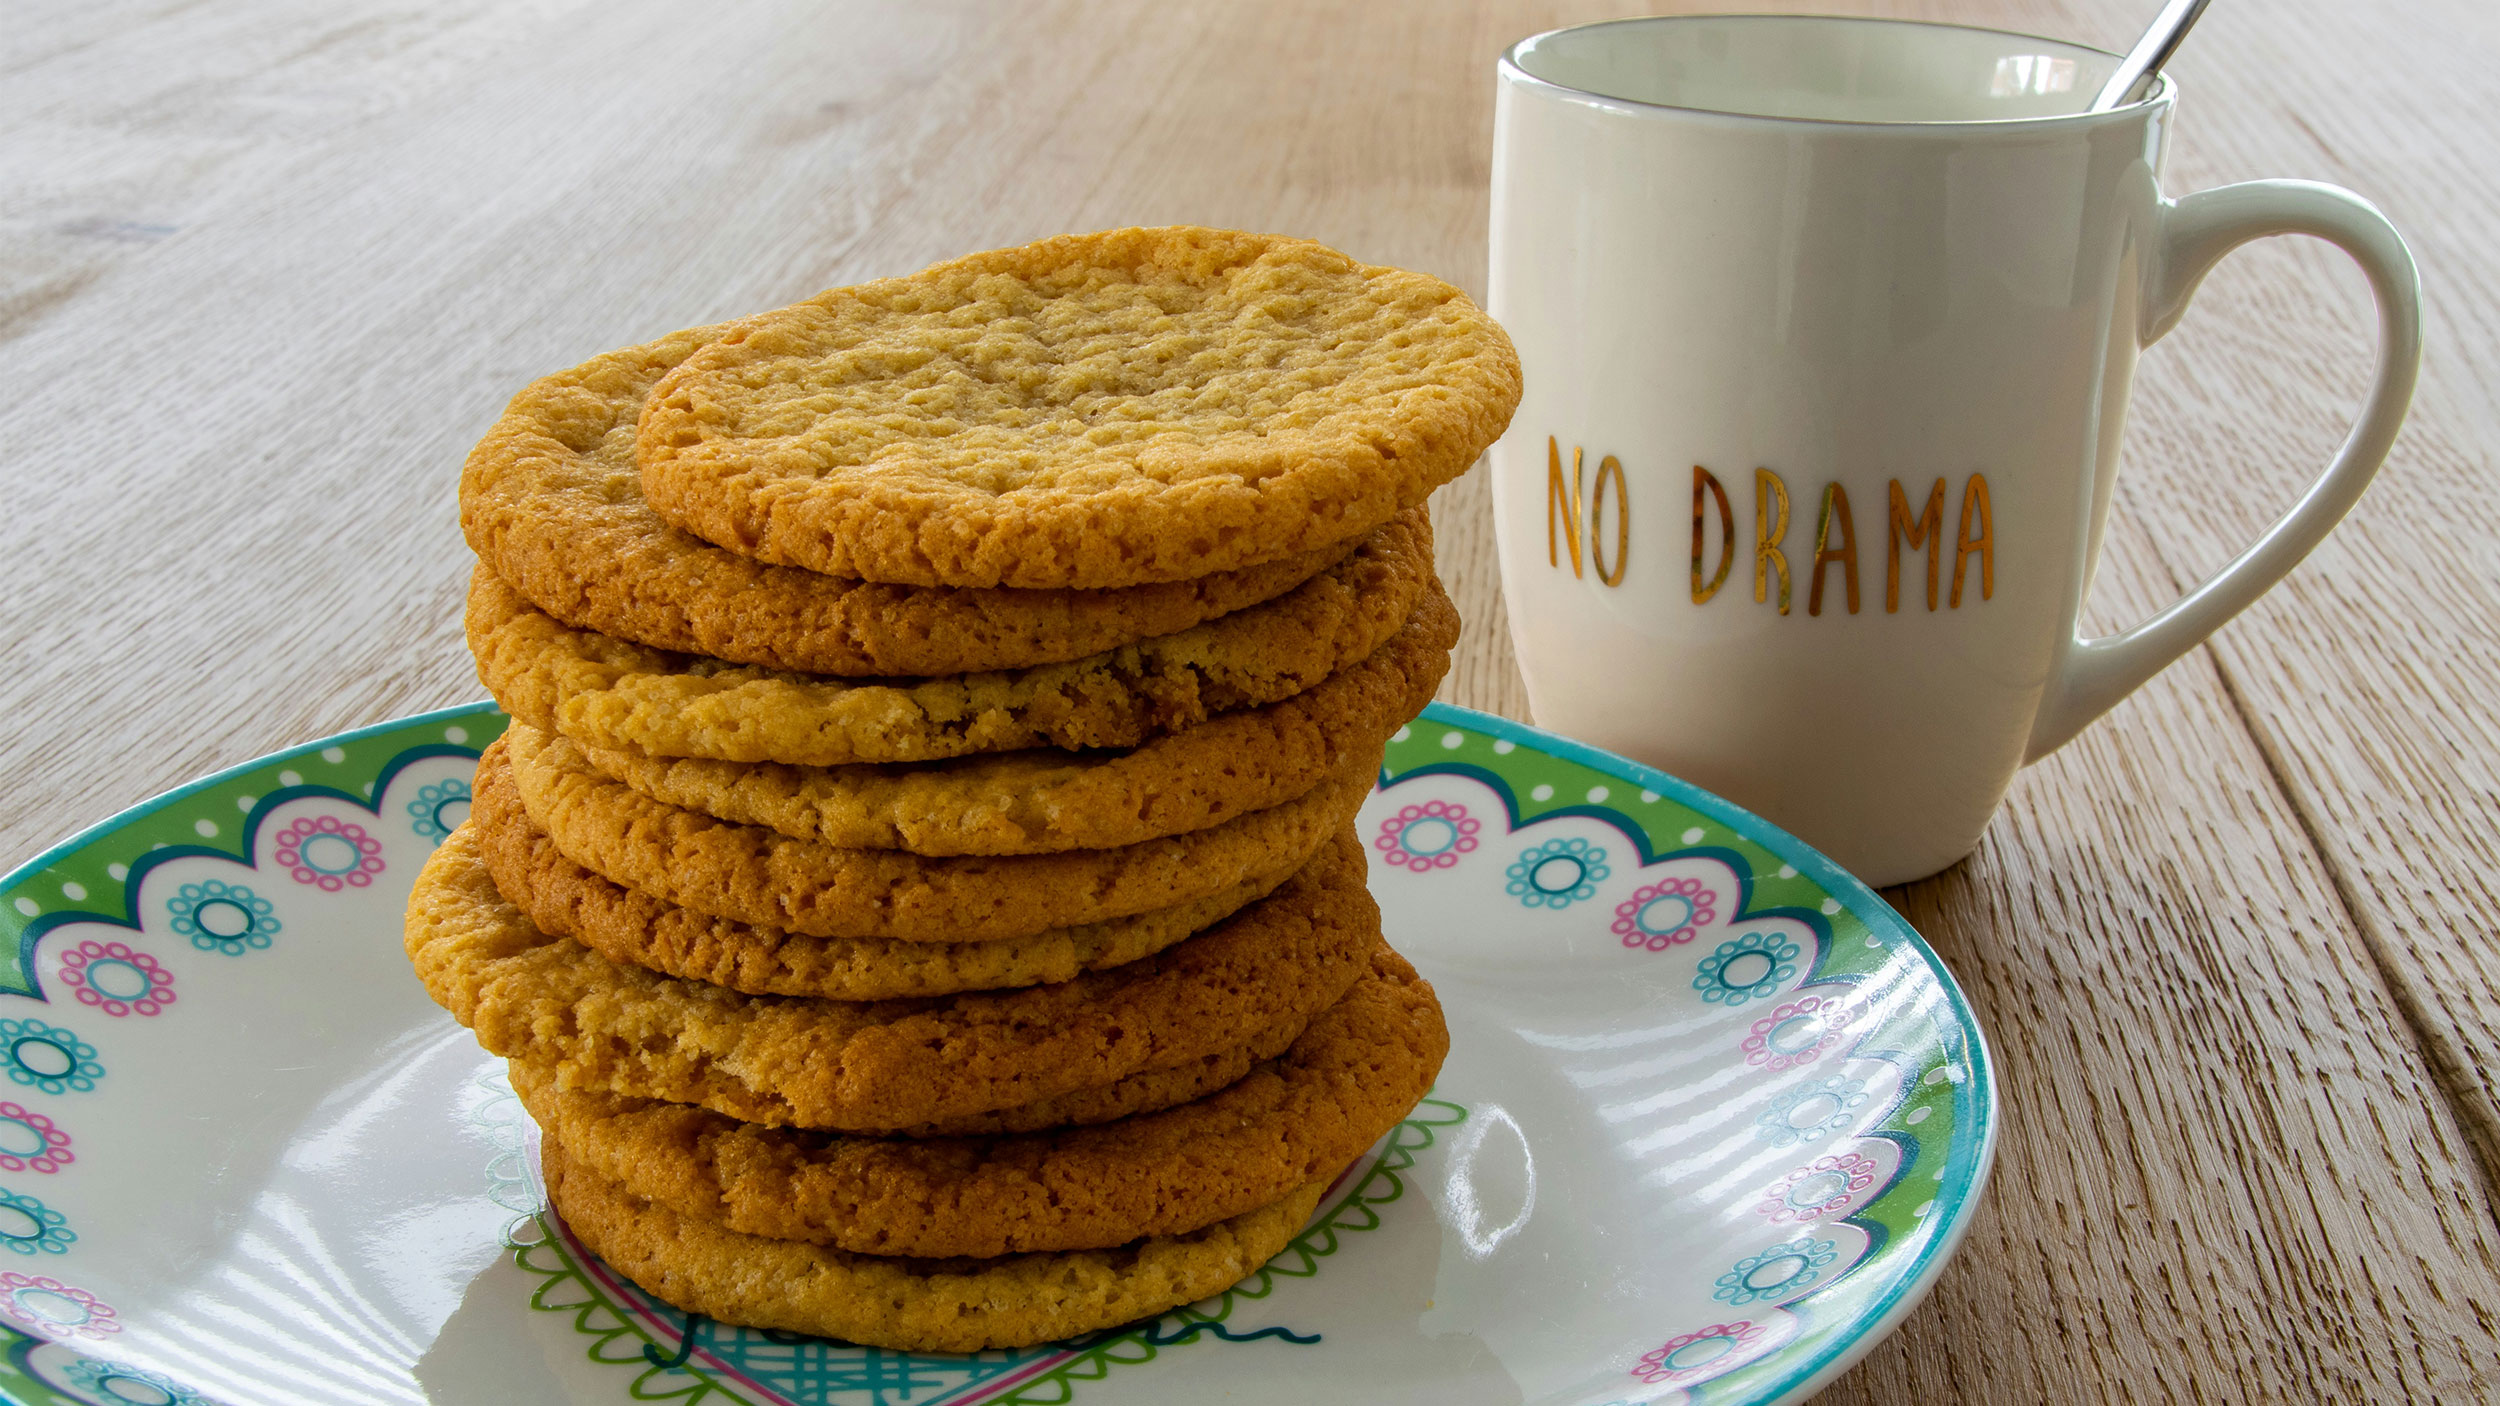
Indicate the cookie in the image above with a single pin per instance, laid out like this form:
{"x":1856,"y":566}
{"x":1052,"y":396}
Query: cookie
{"x":875,"y":1066}
{"x":761,"y":877}
{"x":551,"y":499}
{"x":1355,"y":1072}
{"x":950,"y":1305}
{"x":561,"y":897}
{"x":1150,"y":1091}
{"x":1042,"y":801}
{"x":612,"y":693}
{"x":1097,"y":410}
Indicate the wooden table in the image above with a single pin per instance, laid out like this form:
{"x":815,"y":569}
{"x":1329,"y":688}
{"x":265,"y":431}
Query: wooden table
{"x":269,"y":268}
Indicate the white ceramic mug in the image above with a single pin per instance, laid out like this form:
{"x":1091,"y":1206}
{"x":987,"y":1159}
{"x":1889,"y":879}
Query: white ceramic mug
{"x":1827,"y":328}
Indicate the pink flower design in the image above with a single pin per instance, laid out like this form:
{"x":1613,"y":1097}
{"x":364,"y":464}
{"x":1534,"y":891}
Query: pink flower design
{"x":1665,"y":913}
{"x":18,"y":1127}
{"x":1696,"y":1354}
{"x":1797,"y":1032}
{"x":117,"y":979}
{"x":1819,"y":1190}
{"x":329,"y":853}
{"x":52,"y":1309}
{"x":1428,"y":836}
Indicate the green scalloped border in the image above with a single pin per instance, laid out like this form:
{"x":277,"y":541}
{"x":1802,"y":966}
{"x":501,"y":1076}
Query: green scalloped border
{"x":1951,"y":1158}
{"x":596,"y":1318}
{"x":19,"y":1386}
{"x":1945,"y":1121}
{"x":1928,"y":1122}
{"x":74,"y":880}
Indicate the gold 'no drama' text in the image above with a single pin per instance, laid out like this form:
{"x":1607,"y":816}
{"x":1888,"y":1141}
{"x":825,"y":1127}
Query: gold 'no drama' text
{"x":1593,"y":523}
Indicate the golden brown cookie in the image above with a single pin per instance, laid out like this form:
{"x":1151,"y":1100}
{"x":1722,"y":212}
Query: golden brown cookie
{"x":1150,"y":1091}
{"x":1043,"y":801}
{"x":1355,"y":1072}
{"x":552,"y":500}
{"x":611,"y":693}
{"x":562,"y":897}
{"x":761,"y":877}
{"x":952,"y":1305}
{"x":1096,"y":410}
{"x":875,"y":1066}
{"x":1146,"y":1092}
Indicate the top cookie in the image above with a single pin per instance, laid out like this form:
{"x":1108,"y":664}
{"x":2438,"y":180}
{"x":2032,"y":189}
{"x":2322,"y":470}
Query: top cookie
{"x":1092,"y":411}
{"x":551,"y":501}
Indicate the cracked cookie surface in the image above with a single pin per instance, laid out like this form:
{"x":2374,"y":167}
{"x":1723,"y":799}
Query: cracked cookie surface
{"x":754,"y":875}
{"x":610,"y":692}
{"x":1095,"y":410}
{"x":622,"y":925}
{"x":1357,"y":1070}
{"x":551,"y":498}
{"x":878,"y":1066}
{"x":950,"y":1305}
{"x":1041,"y":800}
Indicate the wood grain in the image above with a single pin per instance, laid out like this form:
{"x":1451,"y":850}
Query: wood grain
{"x":2369,"y":679}
{"x":268,"y":269}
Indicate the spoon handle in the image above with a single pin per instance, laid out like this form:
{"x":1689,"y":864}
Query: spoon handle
{"x":2160,"y":41}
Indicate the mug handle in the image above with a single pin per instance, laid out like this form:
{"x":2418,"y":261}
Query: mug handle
{"x":2089,"y":676}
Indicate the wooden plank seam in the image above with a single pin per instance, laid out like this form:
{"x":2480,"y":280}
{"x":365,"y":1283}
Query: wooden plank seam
{"x":2463,"y":1096}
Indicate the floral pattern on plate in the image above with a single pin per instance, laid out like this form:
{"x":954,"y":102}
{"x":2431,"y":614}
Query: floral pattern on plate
{"x":1791,"y":1067}
{"x":125,"y":949}
{"x":1670,"y":1024}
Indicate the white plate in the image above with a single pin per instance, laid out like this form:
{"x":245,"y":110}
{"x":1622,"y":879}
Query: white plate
{"x":1713,"y":1120}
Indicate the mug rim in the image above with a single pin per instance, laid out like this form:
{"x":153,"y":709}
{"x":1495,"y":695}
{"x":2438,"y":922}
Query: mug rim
{"x":1509,"y":69}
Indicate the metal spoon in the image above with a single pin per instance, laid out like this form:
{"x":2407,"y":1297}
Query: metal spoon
{"x":2136,"y":70}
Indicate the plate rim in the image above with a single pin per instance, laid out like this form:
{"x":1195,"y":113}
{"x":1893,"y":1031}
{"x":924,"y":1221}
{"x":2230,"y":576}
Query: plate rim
{"x":141,"y":810}
{"x":1860,"y":1338}
{"x":1871,"y":907}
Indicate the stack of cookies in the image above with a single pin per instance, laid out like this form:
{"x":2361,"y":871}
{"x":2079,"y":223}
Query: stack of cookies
{"x":917,"y":893}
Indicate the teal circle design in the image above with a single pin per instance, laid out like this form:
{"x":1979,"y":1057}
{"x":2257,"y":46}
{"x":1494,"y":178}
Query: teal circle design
{"x":438,"y":809}
{"x":31,"y":1142}
{"x":1756,"y":964}
{"x":1817,"y":1191}
{"x":1794,"y":1035}
{"x":1557,"y":873}
{"x":1679,"y":910}
{"x":29,"y":1227}
{"x":1845,"y":1313}
{"x":1781,"y":1272}
{"x":47,"y":1057}
{"x":1428,"y":836}
{"x":109,"y":978}
{"x":136,"y":1386}
{"x":223,"y":917}
{"x":1810,"y":1112}
{"x":1699,"y":1352}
